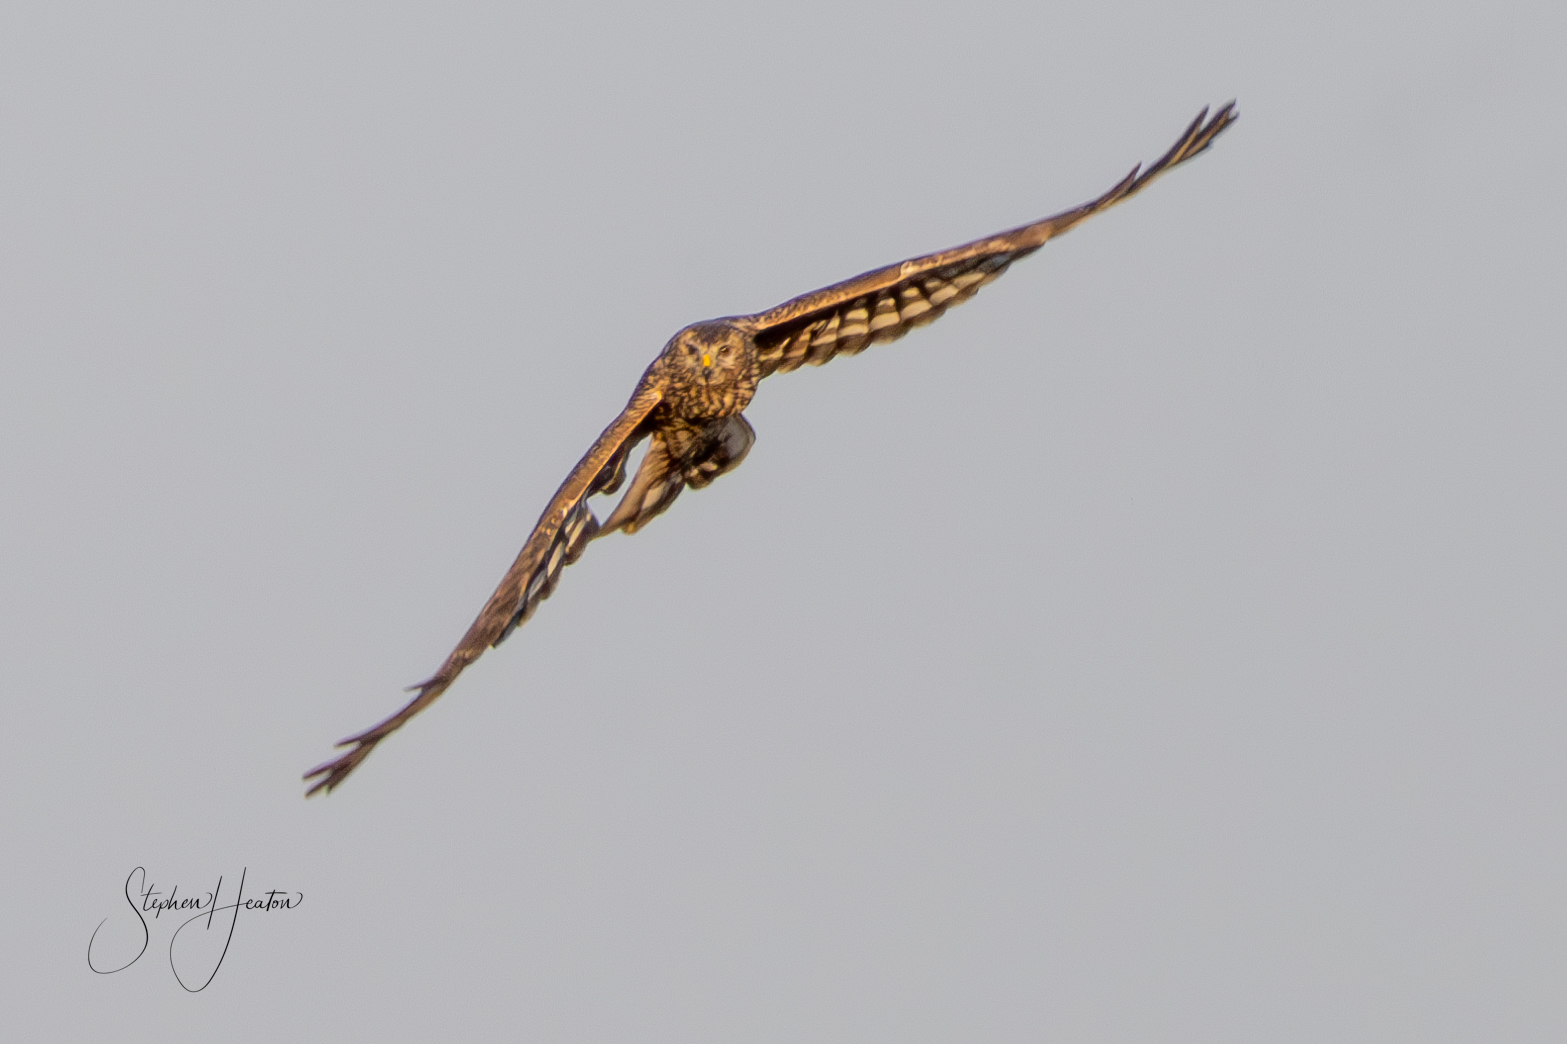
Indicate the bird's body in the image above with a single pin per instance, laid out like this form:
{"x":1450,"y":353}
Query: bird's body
{"x":706,"y":372}
{"x":688,"y":406}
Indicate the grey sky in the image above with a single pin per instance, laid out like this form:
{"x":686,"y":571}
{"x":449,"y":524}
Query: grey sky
{"x":1164,"y":646}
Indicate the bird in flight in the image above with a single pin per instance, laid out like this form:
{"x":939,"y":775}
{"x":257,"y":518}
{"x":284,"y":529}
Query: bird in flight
{"x":688,"y":405}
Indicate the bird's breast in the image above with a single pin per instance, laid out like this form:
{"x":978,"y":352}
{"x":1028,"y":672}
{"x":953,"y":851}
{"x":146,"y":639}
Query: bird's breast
{"x":693,"y":399}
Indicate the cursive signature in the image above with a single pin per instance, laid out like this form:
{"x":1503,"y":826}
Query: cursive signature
{"x":208,"y":909}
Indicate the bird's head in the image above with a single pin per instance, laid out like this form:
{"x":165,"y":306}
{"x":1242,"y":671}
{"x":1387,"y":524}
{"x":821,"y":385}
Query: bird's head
{"x":715,"y":354}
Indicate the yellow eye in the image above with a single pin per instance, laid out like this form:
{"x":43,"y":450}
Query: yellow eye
{"x":724,"y":350}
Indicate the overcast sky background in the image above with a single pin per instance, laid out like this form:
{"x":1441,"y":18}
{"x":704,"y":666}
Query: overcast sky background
{"x":1166,"y":645}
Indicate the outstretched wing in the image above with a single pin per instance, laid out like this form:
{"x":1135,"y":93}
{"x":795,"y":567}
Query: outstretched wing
{"x":887,"y":303}
{"x":560,"y":536}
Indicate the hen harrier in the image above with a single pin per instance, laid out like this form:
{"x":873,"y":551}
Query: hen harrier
{"x":688,"y":404}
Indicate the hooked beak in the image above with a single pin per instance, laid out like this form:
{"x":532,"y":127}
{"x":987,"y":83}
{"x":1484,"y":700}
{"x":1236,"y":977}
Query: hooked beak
{"x":707,"y":361}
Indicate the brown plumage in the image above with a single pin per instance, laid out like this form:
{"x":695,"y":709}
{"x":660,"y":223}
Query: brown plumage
{"x":688,"y":405}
